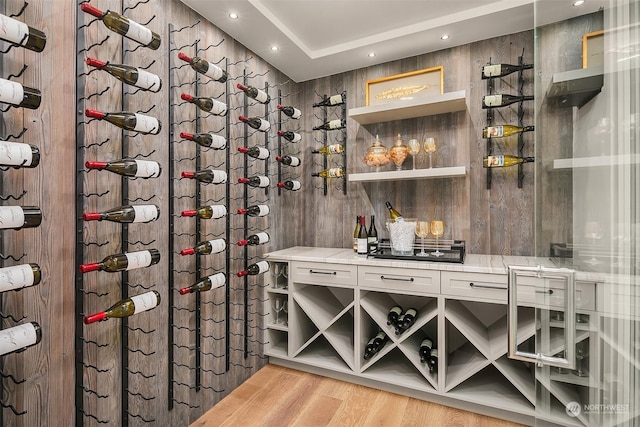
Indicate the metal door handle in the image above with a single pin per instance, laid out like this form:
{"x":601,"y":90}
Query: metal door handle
{"x":322,"y":272}
{"x":473,"y":285}
{"x":399,"y":279}
{"x":548,"y":291}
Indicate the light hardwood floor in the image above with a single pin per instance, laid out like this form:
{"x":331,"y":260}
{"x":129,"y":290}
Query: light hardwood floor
{"x":278,"y":397}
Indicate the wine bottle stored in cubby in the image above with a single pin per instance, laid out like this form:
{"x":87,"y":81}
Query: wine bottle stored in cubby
{"x":331,"y":125}
{"x":425,"y":349}
{"x":258,"y":181}
{"x":290,"y":136}
{"x":259,"y":267}
{"x":128,"y":167}
{"x":134,"y":122}
{"x":256,"y":123}
{"x":124,"y":262}
{"x":256,"y":152}
{"x":205,"y":67}
{"x":209,"y":105}
{"x":372,"y":235}
{"x":291,"y":185}
{"x":504,"y":131}
{"x":363,"y":242}
{"x":493,"y":101}
{"x":127,"y":307}
{"x":289,"y":160}
{"x":124,"y":26}
{"x":393,"y":315}
{"x":130,"y":75}
{"x":214,"y":281}
{"x":393,"y":214}
{"x":255,"y":210}
{"x":356,"y":233}
{"x":255,"y":239}
{"x":290,"y":111}
{"x":209,"y":140}
{"x":255,"y":93}
{"x":501,"y":70}
{"x":330,"y":149}
{"x":16,"y":94}
{"x":432,"y":362}
{"x":19,"y":276}
{"x":330,"y":173}
{"x":408,"y":319}
{"x":338,"y":99}
{"x":18,"y":217}
{"x":375,"y":344}
{"x":125,"y":214}
{"x":19,"y":155}
{"x":18,"y":338}
{"x":21,"y":34}
{"x":504,"y":161}
{"x":209,"y":176}
{"x":207,"y":212}
{"x":206,"y":248}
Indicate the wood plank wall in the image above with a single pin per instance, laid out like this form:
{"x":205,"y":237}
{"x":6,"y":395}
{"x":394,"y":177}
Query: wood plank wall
{"x":497,"y":221}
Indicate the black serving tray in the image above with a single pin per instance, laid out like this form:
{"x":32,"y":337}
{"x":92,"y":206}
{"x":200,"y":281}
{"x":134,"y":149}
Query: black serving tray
{"x":454,"y":251}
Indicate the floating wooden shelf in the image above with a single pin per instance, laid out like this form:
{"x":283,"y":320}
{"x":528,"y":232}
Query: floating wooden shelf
{"x":432,"y":173}
{"x":576,"y":87}
{"x":590,"y":162}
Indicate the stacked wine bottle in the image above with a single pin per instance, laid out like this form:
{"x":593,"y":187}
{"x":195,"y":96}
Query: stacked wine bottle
{"x":334,"y":158}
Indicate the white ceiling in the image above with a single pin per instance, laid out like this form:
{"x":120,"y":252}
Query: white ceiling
{"x":317,"y":38}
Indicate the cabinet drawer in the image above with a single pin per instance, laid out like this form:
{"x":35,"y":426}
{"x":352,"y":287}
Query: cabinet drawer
{"x":400,"y":279}
{"x":324,"y":273}
{"x":534,"y":291}
{"x":619,"y":299}
{"x":475,"y":285}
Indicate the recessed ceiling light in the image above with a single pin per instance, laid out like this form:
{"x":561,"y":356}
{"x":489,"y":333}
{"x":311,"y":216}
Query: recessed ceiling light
{"x":371,"y":54}
{"x":445,"y":37}
{"x":233,"y":15}
{"x":274,"y":48}
{"x":578,"y":3}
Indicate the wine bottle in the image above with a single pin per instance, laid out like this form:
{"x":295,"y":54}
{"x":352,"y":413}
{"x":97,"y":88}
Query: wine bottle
{"x":129,"y":121}
{"x":408,"y":319}
{"x":356,"y":233}
{"x":258,"y":181}
{"x":504,"y":130}
{"x":255,"y":152}
{"x":330,"y":149}
{"x":207,"y":212}
{"x":19,"y":276}
{"x":332,"y":100}
{"x":206,"y":248}
{"x":128,"y":167}
{"x":209,"y":176}
{"x":394,"y":315}
{"x":205,"y":67}
{"x":290,"y":136}
{"x":291,"y":185}
{"x":331,"y":125}
{"x":330,"y":173}
{"x":363,"y":245}
{"x":504,"y":161}
{"x":292,"y":161}
{"x":501,"y":70}
{"x":375,"y":344}
{"x":255,"y":210}
{"x":127,"y":307}
{"x":372,"y":235}
{"x":433,"y":360}
{"x":425,"y":349}
{"x":16,"y":94}
{"x":209,"y":105}
{"x":256,"y":123}
{"x":125,"y":214}
{"x":393,"y":214}
{"x":130,"y":75}
{"x":19,"y":155}
{"x":255,"y":93}
{"x":124,"y":262}
{"x":124,"y":26}
{"x":18,"y":217}
{"x":209,"y":140}
{"x":214,"y":281}
{"x":254,"y":269}
{"x":255,"y":239}
{"x":18,"y":338}
{"x":492,"y":101}
{"x":21,"y":34}
{"x":292,"y":112}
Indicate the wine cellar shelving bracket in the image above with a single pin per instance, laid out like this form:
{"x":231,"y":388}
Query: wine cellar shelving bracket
{"x":325,"y":141}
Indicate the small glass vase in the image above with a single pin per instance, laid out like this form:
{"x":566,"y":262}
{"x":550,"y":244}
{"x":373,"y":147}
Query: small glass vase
{"x":377,"y":155}
{"x":399,"y":153}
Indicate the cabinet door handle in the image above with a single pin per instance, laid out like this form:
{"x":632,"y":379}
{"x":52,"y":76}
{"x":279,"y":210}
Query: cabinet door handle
{"x":548,"y":291}
{"x":473,"y":285}
{"x":399,"y":279}
{"x":322,"y":272}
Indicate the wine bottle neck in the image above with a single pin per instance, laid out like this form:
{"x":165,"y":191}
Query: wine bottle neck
{"x":243,"y":242}
{"x":95,"y":165}
{"x":185,"y":135}
{"x":242,"y":273}
{"x":188,"y":251}
{"x":92,"y":318}
{"x":184,"y":57}
{"x":189,"y":213}
{"x":92,"y":216}
{"x":95,"y":63}
{"x":86,"y":7}
{"x":184,"y":291}
{"x":188,"y":174}
{"x":94,"y":114}
{"x":85,"y":268}
{"x":187,"y":97}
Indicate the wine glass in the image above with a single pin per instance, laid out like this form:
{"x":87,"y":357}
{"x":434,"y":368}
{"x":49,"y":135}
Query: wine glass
{"x":276,"y":274}
{"x":278,"y":307}
{"x":582,"y":352}
{"x":593,"y":232}
{"x":286,"y":311}
{"x":430,"y":147}
{"x":422,"y":231}
{"x":437,"y":229}
{"x":414,"y":149}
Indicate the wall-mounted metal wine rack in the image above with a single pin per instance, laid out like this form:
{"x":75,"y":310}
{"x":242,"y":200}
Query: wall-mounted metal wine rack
{"x":340,"y":137}
{"x":285,"y":148}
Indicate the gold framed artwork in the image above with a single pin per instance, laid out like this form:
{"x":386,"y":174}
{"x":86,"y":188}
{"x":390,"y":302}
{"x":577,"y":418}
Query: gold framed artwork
{"x":412,"y":85}
{"x":593,"y":49}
